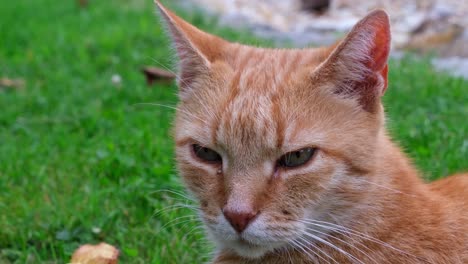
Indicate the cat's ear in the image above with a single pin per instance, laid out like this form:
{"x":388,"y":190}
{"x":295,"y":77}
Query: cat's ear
{"x":358,"y":67}
{"x":196,"y":49}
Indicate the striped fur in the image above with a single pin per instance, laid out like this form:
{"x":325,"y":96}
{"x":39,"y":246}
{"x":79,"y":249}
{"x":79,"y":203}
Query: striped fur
{"x":358,"y":201}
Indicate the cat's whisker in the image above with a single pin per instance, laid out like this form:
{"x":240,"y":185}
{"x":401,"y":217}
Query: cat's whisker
{"x":174,"y":108}
{"x":178,"y":79}
{"x":196,"y":230}
{"x":182,"y":201}
{"x":177,"y":221}
{"x":362,"y":235}
{"x":386,"y":187}
{"x":303,"y":248}
{"x":174,"y":192}
{"x":209,"y":255}
{"x":346,"y":234}
{"x":207,"y":110}
{"x":298,"y":247}
{"x":323,"y":241}
{"x":308,"y":243}
{"x":276,"y":253}
{"x":290,"y":260}
{"x":174,"y":208}
{"x":342,"y":228}
{"x":359,"y":234}
{"x":179,"y":226}
{"x":186,"y":223}
{"x":344,"y":242}
{"x":168,"y":224}
{"x":163,"y":66}
{"x":180,"y":204}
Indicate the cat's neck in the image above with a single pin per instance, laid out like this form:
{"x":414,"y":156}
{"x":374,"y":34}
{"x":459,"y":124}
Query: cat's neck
{"x":395,"y":170}
{"x":393,"y":187}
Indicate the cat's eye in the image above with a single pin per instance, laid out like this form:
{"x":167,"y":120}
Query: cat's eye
{"x":296,"y":158}
{"x":206,"y":154}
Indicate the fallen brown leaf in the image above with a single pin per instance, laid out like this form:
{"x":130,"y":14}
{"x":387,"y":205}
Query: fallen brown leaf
{"x":154,"y":74}
{"x":95,"y":254}
{"x":11,"y":83}
{"x":83,"y":3}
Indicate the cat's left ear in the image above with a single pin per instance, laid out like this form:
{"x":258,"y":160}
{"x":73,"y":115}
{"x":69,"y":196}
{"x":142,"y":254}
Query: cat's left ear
{"x":196,"y":49}
{"x":358,"y":67}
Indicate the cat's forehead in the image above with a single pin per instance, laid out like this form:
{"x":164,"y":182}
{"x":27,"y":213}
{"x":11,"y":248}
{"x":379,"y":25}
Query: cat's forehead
{"x":273,"y":62}
{"x":254,"y":116}
{"x":252,"y":110}
{"x":249,"y":123}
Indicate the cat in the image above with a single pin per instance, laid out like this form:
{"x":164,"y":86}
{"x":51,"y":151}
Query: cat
{"x":287,"y":154}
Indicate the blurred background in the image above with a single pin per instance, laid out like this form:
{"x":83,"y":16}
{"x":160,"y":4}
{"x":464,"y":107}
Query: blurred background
{"x":87,"y":99}
{"x":426,"y":26}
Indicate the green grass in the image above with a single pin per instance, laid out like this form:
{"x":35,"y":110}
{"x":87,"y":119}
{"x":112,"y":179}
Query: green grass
{"x":81,"y":161}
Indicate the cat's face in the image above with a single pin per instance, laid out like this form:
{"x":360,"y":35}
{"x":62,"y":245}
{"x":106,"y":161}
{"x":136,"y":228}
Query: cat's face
{"x":268,"y":140}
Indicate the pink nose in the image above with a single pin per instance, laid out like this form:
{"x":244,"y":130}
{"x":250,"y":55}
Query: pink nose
{"x":239,"y":220}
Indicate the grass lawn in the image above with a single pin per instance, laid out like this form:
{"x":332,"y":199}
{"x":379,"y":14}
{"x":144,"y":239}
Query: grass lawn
{"x":81,"y":160}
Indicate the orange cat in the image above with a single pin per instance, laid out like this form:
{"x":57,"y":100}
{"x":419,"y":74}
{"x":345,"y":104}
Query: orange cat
{"x":287,"y":153}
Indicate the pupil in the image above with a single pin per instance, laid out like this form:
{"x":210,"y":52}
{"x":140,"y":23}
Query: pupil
{"x":296,"y":158}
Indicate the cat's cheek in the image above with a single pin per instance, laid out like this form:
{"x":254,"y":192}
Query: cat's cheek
{"x":308,"y":181}
{"x":187,"y":162}
{"x":200,"y":181}
{"x":305,"y":190}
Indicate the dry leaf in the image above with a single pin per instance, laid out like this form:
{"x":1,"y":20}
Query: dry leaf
{"x":154,"y":74}
{"x":83,"y":3}
{"x":95,"y":254}
{"x":11,"y":83}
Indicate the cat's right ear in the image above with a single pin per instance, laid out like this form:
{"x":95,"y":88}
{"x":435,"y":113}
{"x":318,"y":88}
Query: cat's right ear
{"x":357,"y":66}
{"x":196,"y":49}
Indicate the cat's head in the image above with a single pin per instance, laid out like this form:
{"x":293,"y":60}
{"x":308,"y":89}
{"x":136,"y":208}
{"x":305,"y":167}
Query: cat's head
{"x":268,"y":139}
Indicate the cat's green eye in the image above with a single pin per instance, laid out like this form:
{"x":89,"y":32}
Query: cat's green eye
{"x":296,"y":158}
{"x":206,"y":154}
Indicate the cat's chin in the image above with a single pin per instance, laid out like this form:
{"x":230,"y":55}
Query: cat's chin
{"x":248,"y":250}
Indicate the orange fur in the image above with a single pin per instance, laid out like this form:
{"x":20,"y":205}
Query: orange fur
{"x":359,"y":200}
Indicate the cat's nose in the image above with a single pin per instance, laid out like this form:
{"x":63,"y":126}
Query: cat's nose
{"x":239,"y":220}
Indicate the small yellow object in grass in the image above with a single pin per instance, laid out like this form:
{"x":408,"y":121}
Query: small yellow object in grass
{"x":11,"y":83}
{"x":95,"y":254}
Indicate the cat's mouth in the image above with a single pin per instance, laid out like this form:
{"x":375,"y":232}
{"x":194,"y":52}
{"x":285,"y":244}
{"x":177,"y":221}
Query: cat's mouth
{"x":248,"y":249}
{"x":251,"y":250}
{"x":245,"y":242}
